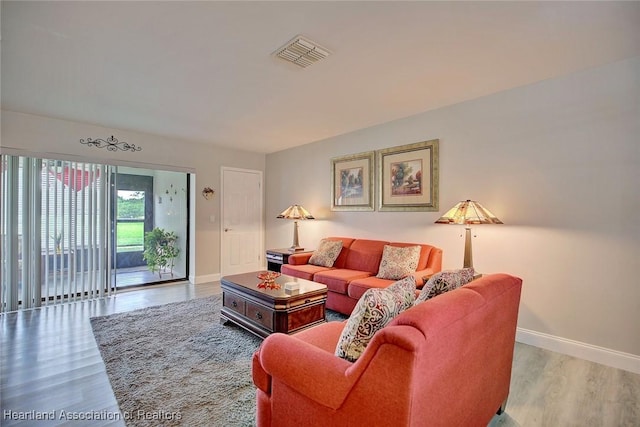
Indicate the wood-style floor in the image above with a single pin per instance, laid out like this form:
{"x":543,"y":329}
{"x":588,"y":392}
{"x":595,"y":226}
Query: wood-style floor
{"x":49,"y":361}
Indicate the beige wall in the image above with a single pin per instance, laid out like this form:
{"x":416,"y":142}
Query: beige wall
{"x":60,"y":139}
{"x":557,"y":161}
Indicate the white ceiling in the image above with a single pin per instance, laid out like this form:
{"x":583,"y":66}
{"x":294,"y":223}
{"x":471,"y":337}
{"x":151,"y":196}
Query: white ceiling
{"x":204,"y":71}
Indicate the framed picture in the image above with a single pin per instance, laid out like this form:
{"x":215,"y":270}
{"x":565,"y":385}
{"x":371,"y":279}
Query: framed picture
{"x":408,"y":177}
{"x":352,"y":182}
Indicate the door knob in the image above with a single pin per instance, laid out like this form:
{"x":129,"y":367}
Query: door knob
{"x":227,"y":229}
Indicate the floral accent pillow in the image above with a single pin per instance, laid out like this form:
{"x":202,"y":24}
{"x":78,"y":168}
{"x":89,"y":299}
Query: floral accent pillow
{"x":327,"y":253}
{"x":375,"y":309}
{"x":445,"y":281}
{"x":398,"y":262}
{"x":405,"y":290}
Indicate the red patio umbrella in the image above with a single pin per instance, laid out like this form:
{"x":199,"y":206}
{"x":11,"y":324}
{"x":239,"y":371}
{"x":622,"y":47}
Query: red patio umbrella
{"x":76,"y":179}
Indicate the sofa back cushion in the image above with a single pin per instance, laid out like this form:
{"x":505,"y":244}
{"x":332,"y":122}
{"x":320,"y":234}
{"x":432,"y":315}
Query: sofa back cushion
{"x":365,"y":255}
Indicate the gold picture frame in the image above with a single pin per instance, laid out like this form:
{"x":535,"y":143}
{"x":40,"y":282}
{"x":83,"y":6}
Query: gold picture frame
{"x":408,"y":177}
{"x":352,"y":182}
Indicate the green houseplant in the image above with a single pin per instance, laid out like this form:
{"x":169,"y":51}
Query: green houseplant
{"x":160,"y":250}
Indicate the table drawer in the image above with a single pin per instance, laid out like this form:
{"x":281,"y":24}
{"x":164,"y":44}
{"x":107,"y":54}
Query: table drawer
{"x":278,"y":258}
{"x":260,"y":315}
{"x":306,"y":300}
{"x":234,"y":302}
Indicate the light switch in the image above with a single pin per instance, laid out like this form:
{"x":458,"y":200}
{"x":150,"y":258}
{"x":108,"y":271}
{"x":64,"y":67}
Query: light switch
{"x":212,"y":218}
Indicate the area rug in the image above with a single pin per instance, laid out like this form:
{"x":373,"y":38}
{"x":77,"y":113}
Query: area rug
{"x":176,"y":364}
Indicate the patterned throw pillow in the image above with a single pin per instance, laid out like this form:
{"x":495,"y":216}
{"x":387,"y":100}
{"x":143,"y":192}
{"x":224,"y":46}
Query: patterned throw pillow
{"x":405,"y":290}
{"x":445,"y":281}
{"x":398,"y":262}
{"x":375,"y":309}
{"x":327,"y":253}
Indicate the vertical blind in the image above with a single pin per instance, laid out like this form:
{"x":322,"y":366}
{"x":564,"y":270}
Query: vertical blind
{"x":54,"y":219}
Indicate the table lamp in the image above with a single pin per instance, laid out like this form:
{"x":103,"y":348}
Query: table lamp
{"x":295,"y":212}
{"x":468,"y":213}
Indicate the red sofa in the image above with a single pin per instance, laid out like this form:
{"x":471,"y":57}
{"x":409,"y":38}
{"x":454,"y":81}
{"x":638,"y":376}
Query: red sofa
{"x":355,"y":269}
{"x":444,"y":362}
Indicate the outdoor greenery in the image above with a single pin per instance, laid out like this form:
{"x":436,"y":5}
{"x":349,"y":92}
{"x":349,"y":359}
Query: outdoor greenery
{"x":130,"y":236}
{"x":160,"y":250}
{"x":131,"y":207}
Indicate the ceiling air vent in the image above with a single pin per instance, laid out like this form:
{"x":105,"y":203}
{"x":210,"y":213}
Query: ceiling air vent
{"x":302,"y":51}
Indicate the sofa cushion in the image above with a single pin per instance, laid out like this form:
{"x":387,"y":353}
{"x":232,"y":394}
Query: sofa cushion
{"x":358,"y":287}
{"x":337,"y":280}
{"x":327,"y":253}
{"x":374,"y":311}
{"x":398,"y":262}
{"x":445,"y":281}
{"x":305,"y":271}
{"x":365,"y":255}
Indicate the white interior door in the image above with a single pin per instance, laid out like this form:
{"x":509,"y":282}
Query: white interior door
{"x":242,"y":229}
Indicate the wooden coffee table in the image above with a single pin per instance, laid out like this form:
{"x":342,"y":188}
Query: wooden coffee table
{"x":265,"y":311}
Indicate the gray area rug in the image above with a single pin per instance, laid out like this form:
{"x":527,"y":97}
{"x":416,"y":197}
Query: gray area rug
{"x":176,"y":364}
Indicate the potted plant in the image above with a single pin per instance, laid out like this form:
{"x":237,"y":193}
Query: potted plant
{"x":57,"y":239}
{"x":160,"y":250}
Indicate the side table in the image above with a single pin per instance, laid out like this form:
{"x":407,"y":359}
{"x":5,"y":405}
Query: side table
{"x":277,"y":257}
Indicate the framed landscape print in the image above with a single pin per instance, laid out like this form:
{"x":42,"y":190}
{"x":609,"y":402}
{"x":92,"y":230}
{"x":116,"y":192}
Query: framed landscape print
{"x":352,"y":182}
{"x":408,"y":177}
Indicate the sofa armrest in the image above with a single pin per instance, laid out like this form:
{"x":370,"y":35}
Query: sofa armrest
{"x":261,"y":379}
{"x":435,"y":260}
{"x":420,"y":276}
{"x":311,"y":371}
{"x":327,"y":379}
{"x":300,"y":259}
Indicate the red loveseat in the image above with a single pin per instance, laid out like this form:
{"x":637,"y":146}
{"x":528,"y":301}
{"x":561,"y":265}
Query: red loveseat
{"x":444,"y":362}
{"x":355,"y":269}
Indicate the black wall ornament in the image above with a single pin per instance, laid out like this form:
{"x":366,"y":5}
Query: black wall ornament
{"x":111,"y":144}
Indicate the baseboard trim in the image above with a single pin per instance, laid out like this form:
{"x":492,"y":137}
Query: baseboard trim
{"x":196,"y":280}
{"x":616,"y":359}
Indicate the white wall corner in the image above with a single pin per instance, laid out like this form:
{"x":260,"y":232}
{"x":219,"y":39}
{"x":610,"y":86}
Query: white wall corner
{"x":616,"y":359}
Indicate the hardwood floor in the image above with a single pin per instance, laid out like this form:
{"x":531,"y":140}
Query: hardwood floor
{"x":49,"y":361}
{"x":552,"y":389}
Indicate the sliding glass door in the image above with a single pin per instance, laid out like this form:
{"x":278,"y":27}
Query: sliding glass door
{"x":75,"y":230}
{"x":146,"y":204}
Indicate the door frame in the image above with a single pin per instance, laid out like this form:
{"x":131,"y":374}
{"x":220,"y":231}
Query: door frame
{"x":260,"y":173}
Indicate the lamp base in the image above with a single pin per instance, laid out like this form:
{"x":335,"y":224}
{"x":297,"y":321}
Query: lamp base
{"x":295,"y":247}
{"x":468,"y":255}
